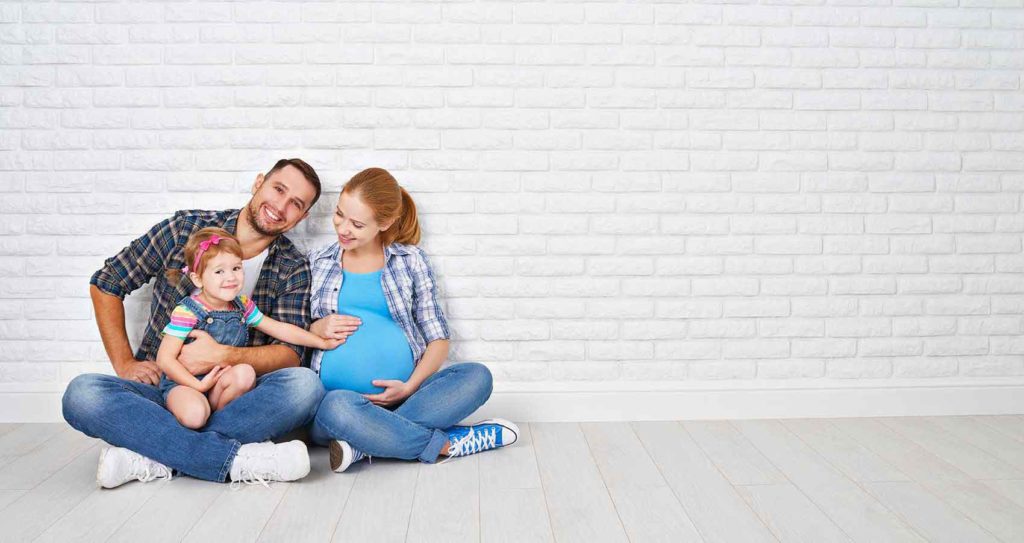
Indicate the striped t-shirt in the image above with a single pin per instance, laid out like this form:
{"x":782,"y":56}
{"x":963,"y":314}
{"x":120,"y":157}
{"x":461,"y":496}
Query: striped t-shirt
{"x":183,"y":319}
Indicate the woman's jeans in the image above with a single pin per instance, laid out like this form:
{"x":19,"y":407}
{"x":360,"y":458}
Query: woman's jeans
{"x":133,"y":415}
{"x":415,"y":429}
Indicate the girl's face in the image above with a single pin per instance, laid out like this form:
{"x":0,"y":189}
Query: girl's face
{"x":222,"y":279}
{"x":355,"y":224}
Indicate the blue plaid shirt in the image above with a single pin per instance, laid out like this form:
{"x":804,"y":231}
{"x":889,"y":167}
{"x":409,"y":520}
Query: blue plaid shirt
{"x":409,"y":288}
{"x":281,"y":292}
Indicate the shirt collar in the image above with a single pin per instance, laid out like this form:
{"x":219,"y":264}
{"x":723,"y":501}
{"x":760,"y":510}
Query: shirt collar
{"x":334,"y":251}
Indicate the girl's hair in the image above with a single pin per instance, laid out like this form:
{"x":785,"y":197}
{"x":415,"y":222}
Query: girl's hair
{"x":228,"y":243}
{"x":389,"y":201}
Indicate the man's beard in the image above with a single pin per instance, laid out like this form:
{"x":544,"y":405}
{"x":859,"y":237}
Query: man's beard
{"x":253,"y":210}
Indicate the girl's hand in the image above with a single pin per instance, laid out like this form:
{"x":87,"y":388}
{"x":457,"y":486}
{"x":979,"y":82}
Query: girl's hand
{"x":394,"y":392}
{"x":335,"y":326}
{"x":211,"y":378}
{"x":330,"y":344}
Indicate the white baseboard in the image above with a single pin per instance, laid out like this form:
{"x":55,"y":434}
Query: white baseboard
{"x":572,"y":402}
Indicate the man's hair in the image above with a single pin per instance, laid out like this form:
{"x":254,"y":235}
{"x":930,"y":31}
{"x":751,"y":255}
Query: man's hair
{"x":307,"y":171}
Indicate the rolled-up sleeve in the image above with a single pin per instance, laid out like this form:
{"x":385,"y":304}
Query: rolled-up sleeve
{"x":137,"y":263}
{"x":426,"y":306}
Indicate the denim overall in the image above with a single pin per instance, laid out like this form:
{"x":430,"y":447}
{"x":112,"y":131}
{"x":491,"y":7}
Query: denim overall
{"x":226,"y":326}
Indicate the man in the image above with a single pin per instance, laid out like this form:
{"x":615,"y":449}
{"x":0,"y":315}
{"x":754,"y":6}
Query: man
{"x":128,"y":410}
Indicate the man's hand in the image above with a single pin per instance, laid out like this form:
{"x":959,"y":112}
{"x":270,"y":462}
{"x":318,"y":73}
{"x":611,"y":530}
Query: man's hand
{"x":335,"y":326}
{"x":142,"y":371}
{"x":202,"y":354}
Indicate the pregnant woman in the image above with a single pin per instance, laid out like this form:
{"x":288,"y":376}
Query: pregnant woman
{"x":385,"y":395}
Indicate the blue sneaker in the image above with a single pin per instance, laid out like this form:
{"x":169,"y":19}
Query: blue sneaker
{"x":482,"y":436}
{"x":343,"y":455}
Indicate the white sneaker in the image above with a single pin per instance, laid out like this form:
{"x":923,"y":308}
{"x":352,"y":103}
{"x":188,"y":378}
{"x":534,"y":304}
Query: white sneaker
{"x":118,"y":466}
{"x":482,"y":436}
{"x":343,"y":455}
{"x":261,"y":462}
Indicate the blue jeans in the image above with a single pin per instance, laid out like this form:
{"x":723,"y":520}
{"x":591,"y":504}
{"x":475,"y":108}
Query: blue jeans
{"x":414,"y":430}
{"x":133,"y":415}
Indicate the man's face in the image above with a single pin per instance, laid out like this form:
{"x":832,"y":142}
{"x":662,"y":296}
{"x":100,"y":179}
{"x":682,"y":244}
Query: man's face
{"x":280,"y":201}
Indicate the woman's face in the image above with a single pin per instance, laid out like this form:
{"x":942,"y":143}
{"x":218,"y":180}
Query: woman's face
{"x":354,"y":223}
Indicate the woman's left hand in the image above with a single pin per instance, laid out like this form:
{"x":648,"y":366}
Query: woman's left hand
{"x":394,"y":392}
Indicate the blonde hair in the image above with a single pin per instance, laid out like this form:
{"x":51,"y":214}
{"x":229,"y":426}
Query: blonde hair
{"x":228,"y":243}
{"x":389,"y":201}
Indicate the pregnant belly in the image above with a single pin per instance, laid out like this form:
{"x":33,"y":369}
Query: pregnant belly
{"x":378,"y":350}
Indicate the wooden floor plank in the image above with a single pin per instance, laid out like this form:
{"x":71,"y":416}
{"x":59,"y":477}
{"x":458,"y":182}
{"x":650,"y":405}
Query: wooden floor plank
{"x":8,"y":427}
{"x":47,"y":458}
{"x":380,"y":502}
{"x":930,"y":516}
{"x":790,"y":515}
{"x":710,"y":501}
{"x":855,"y":511}
{"x":512,"y":504}
{"x":1012,"y":490}
{"x":740,"y":461}
{"x":101,"y":513}
{"x":171,"y":513}
{"x":1010,"y":425}
{"x":8,"y":497}
{"x":973,"y":461}
{"x":648,"y":508}
{"x":311,"y":508}
{"x":578,"y":501}
{"x":514,"y":515}
{"x":984,"y":437}
{"x":37,"y":509}
{"x":982,"y":504}
{"x":853,"y":459}
{"x":239,"y":514}
{"x":446,"y":505}
{"x":25,"y":437}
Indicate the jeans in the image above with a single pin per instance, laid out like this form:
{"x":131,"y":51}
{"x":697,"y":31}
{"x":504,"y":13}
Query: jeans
{"x":133,"y":415}
{"x":416,"y":428}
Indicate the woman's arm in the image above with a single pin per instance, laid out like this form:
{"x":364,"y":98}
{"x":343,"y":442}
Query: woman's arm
{"x":397,"y":391}
{"x":289,"y":333}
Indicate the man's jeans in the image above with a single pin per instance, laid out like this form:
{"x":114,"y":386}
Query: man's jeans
{"x":133,"y":415}
{"x":414,"y":430}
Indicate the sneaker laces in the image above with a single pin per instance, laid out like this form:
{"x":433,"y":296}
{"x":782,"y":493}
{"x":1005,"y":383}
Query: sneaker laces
{"x":147,"y":470}
{"x":473,"y":442}
{"x":248,"y":477}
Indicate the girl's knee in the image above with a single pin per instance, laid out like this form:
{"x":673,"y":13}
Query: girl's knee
{"x":191,"y":413}
{"x":241,"y":376}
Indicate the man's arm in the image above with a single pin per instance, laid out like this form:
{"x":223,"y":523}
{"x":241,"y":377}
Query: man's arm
{"x":110,"y":319}
{"x":120,"y":275}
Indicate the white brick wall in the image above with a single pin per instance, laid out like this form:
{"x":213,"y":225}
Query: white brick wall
{"x":612,"y":192}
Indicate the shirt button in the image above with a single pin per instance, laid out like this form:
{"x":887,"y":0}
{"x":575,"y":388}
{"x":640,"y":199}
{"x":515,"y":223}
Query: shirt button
{"x":209,"y":320}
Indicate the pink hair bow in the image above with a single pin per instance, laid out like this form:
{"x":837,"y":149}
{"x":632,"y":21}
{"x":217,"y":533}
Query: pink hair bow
{"x":203,"y":247}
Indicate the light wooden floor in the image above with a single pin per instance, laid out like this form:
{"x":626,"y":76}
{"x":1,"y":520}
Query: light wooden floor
{"x":957,"y":479}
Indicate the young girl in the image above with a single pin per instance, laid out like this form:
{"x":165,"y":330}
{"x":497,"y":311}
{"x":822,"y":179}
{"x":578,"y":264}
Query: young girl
{"x":385,"y":395}
{"x":216,"y":269}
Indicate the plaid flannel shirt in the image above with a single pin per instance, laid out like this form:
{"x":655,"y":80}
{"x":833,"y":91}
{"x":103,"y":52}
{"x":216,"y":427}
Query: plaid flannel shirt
{"x":281,"y":292}
{"x":409,"y":288}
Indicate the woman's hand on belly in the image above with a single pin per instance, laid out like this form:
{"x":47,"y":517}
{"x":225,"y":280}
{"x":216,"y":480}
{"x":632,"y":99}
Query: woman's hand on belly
{"x":394,"y":392}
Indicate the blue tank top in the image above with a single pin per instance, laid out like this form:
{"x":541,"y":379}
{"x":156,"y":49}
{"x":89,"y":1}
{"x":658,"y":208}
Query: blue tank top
{"x":377,"y":350}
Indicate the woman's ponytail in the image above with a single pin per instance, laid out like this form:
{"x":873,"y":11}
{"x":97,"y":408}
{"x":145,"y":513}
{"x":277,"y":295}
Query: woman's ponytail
{"x":406,"y":229}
